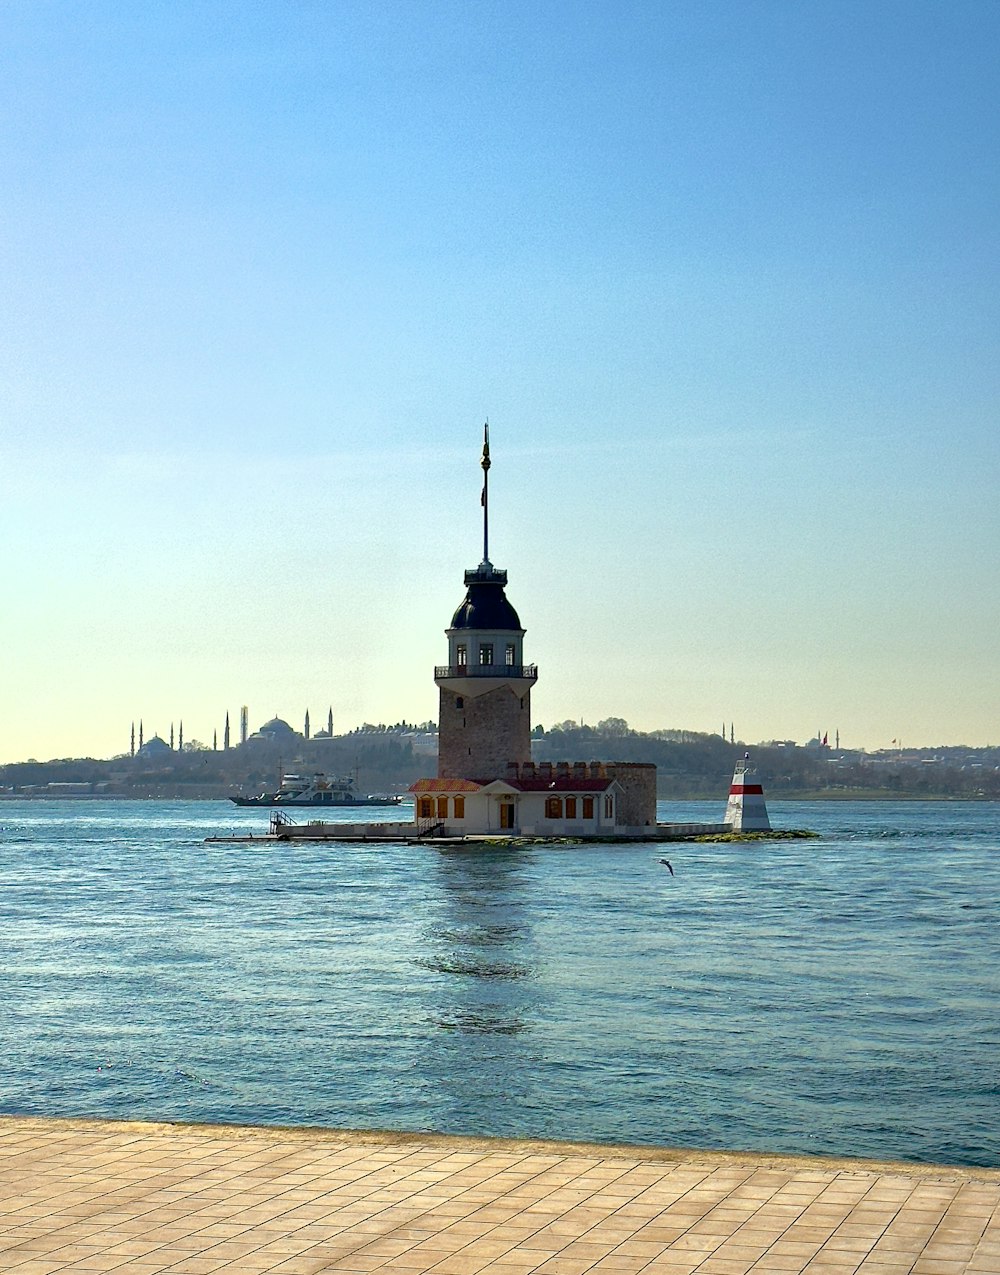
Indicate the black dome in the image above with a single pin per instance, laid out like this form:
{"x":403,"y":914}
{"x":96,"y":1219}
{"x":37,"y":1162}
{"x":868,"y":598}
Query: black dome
{"x":486,"y":607}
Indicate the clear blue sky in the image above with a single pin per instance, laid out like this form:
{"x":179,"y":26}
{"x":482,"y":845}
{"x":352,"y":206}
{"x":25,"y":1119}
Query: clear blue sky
{"x":723,"y":276}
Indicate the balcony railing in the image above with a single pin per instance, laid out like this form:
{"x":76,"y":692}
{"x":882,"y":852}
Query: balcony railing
{"x":527,"y":672}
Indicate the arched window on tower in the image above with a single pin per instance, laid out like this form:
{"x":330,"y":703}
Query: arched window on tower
{"x":486,"y":653}
{"x":462,"y":654}
{"x":509,"y":658}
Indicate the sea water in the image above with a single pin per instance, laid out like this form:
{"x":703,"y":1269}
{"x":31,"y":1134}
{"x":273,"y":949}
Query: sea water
{"x":837,"y":995}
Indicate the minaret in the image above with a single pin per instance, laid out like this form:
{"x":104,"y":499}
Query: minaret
{"x":140,"y":732}
{"x":305,"y":726}
{"x":132,"y":748}
{"x":180,"y":738}
{"x":171,"y":737}
{"x":329,"y":722}
{"x":225,"y":735}
{"x":484,"y":720}
{"x":215,"y":740}
{"x":244,"y":724}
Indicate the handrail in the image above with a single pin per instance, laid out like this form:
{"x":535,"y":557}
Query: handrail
{"x":527,"y":672}
{"x":428,"y":826}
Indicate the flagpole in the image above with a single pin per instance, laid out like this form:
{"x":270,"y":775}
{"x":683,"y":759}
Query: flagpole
{"x":485,"y":462}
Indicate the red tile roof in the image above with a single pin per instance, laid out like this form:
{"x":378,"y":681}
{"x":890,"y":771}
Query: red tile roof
{"x":560,"y":783}
{"x":554,"y":784}
{"x":445,"y":785}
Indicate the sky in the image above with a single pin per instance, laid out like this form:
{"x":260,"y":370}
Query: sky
{"x":722,"y":276}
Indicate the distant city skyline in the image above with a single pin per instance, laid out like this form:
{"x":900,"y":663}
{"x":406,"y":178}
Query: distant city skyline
{"x":173,"y":736}
{"x":722,"y":276}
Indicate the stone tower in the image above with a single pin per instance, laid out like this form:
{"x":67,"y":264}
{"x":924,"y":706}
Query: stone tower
{"x":484,"y":719}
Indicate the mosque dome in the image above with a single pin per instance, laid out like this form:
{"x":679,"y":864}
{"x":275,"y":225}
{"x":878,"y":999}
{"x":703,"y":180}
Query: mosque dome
{"x":277,"y":729}
{"x":486,"y":607}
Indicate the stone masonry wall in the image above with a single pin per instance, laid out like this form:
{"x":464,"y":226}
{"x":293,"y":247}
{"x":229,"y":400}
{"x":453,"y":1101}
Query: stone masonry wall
{"x":478,"y":735}
{"x":637,"y":803}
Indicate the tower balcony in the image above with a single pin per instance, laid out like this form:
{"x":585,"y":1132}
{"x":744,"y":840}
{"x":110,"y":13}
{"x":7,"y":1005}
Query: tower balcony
{"x":525,"y":672}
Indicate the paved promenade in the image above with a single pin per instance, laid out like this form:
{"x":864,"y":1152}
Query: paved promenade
{"x":94,"y":1196}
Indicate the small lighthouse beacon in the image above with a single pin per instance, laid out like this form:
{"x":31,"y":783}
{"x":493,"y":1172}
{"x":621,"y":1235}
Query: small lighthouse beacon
{"x":746,"y":810}
{"x":484,"y":720}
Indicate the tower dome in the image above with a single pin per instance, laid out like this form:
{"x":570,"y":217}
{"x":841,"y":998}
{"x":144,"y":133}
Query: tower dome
{"x":485,"y":605}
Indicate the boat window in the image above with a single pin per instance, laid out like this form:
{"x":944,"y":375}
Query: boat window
{"x":486,"y":653}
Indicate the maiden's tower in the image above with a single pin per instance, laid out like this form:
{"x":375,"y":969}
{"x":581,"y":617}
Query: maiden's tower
{"x":486,"y":781}
{"x":485,"y":688}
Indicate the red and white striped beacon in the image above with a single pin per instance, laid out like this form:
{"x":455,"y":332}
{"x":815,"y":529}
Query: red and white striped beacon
{"x":745,"y":810}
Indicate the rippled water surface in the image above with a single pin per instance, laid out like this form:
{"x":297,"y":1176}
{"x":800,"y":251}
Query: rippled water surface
{"x":837,"y":996}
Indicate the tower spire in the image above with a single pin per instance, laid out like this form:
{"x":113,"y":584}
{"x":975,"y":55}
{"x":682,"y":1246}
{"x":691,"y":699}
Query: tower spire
{"x":485,"y":462}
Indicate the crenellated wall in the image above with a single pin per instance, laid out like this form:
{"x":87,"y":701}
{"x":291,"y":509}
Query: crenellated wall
{"x":636,"y":805}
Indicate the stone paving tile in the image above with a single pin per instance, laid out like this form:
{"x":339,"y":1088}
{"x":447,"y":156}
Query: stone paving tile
{"x":96,"y":1197}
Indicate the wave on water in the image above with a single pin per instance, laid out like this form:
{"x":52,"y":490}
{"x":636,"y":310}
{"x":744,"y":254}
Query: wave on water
{"x":837,"y":996}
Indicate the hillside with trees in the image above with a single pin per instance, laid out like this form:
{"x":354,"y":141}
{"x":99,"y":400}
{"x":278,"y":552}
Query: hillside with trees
{"x":384,"y":758}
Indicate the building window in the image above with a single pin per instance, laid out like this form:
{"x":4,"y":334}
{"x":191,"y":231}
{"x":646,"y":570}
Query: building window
{"x":609,"y":807}
{"x":588,"y":807}
{"x":570,"y":807}
{"x":509,"y":655}
{"x":426,"y":808}
{"x":462,"y":655}
{"x":459,"y":807}
{"x":486,"y":653}
{"x":442,"y":807}
{"x":459,"y":702}
{"x":553,"y":807}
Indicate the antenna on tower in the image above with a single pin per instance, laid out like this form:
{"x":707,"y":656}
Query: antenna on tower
{"x":485,"y":501}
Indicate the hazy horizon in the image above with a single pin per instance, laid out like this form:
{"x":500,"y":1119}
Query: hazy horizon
{"x":722,"y":276}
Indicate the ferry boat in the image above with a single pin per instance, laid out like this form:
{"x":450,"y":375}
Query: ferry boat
{"x":316,"y":790}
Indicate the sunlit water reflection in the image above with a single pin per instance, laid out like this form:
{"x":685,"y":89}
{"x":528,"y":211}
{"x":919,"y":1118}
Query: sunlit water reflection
{"x":838,"y":995}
